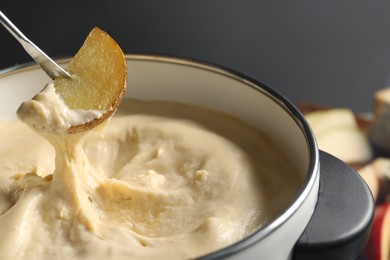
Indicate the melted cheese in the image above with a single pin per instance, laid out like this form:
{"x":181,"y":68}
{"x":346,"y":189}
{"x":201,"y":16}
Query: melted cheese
{"x":161,"y":181}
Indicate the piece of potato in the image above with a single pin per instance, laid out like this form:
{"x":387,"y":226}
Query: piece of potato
{"x":99,"y":78}
{"x":338,"y":133}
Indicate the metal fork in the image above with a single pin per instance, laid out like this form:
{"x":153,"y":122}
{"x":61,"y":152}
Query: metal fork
{"x":48,"y":65}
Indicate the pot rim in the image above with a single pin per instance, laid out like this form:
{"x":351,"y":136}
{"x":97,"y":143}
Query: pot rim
{"x":281,"y":100}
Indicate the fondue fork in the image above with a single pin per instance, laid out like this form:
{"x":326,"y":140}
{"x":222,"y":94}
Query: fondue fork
{"x":52,"y":69}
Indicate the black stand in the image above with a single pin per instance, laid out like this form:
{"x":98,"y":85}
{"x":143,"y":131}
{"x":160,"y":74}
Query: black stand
{"x":340,"y":225}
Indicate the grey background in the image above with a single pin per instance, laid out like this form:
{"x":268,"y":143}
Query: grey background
{"x":334,"y":53}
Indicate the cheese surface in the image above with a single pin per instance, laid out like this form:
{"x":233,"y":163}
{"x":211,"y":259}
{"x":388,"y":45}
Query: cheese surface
{"x":160,"y":180}
{"x":48,"y":112}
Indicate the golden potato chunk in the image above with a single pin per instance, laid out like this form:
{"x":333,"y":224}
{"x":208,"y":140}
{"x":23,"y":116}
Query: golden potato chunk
{"x":99,"y":78}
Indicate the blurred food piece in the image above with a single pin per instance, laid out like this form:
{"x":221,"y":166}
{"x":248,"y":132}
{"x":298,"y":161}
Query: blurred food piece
{"x":378,"y":245}
{"x":380,"y":129}
{"x":338,"y":133}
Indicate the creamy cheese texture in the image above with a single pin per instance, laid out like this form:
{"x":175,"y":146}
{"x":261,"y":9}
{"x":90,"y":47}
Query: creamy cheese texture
{"x":161,"y":181}
{"x":48,"y":112}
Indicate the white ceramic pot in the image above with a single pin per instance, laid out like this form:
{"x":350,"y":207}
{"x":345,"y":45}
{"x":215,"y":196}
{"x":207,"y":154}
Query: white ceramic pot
{"x":165,"y":78}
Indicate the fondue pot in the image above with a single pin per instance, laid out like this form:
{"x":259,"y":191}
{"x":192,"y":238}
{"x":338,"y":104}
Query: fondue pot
{"x":330,"y":216}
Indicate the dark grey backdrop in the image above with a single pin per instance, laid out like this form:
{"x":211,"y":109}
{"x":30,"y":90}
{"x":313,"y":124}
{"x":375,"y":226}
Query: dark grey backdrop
{"x":332,"y":52}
